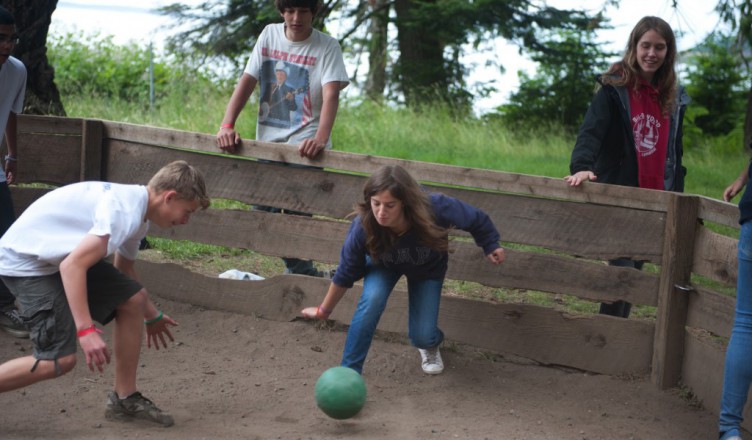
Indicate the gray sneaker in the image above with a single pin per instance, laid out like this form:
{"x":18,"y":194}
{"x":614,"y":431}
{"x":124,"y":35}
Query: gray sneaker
{"x":431,"y":360}
{"x":135,"y":406}
{"x":12,"y":323}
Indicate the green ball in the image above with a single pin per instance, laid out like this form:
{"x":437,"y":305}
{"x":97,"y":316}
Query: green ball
{"x":340,"y":392}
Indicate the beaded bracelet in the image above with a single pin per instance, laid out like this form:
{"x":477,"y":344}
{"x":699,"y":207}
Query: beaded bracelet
{"x":154,"y":320}
{"x":227,"y":126}
{"x":90,"y":329}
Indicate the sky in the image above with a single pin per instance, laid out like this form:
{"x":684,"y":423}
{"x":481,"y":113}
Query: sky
{"x":135,"y":20}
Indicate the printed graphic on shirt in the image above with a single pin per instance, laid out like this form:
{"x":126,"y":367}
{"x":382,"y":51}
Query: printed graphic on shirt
{"x":646,"y":133}
{"x":416,"y":256}
{"x":285,"y":101}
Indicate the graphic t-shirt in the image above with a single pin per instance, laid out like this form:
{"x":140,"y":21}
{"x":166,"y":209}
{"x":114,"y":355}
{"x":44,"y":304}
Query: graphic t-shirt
{"x":650,"y":129}
{"x":291,"y":76}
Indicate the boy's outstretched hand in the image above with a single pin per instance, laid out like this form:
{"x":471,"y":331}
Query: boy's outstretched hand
{"x":156,"y":332}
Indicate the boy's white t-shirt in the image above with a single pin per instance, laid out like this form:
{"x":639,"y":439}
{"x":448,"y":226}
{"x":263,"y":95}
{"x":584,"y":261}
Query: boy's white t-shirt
{"x":308,"y":65}
{"x":55,"y":224}
{"x":12,"y":90}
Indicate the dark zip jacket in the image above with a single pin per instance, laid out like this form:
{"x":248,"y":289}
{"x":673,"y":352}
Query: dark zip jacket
{"x":410,"y":258}
{"x":605,"y":143}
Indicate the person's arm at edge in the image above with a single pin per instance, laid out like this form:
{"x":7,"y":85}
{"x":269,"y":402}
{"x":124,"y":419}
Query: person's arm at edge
{"x":227,"y":138}
{"x":311,"y":147}
{"x":11,"y":133}
{"x":737,"y":185}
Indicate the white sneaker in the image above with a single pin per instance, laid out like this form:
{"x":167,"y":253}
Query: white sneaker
{"x":431,"y":360}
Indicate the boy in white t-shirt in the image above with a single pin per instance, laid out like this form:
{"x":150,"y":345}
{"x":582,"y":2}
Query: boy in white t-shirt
{"x":300,"y":72}
{"x":53,"y":259}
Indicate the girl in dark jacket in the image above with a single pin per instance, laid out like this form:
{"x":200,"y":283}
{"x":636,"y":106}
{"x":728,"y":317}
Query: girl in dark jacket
{"x":401,"y":230}
{"x":632,"y":132}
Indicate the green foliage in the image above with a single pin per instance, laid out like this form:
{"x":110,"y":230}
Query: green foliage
{"x":717,"y":83}
{"x":563,"y":84}
{"x":91,"y":65}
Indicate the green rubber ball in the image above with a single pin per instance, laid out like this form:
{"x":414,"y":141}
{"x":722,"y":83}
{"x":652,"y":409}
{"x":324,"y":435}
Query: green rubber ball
{"x":340,"y":392}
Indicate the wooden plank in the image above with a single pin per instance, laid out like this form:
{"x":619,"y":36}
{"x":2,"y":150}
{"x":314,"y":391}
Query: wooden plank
{"x":91,"y":150}
{"x":601,"y":344}
{"x":702,"y":370}
{"x":49,"y":124}
{"x":428,"y":172}
{"x":576,"y":228}
{"x":283,"y":235}
{"x":596,"y":343}
{"x":676,"y":268}
{"x":572,"y":227}
{"x":718,"y":211}
{"x":717,"y":259}
{"x":252,"y":182}
{"x":554,"y":274}
{"x":23,"y":197}
{"x":49,"y":158}
{"x":711,"y":311}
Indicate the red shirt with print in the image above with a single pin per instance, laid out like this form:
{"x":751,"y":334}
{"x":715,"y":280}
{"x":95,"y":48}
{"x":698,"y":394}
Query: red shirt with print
{"x":650,"y":129}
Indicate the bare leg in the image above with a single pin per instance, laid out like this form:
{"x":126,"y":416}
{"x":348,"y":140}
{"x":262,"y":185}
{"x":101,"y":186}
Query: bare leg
{"x":16,"y":373}
{"x":129,"y":328}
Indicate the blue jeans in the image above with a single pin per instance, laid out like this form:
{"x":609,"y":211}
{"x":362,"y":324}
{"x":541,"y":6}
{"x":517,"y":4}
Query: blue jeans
{"x":737,"y":375}
{"x":7,"y":217}
{"x":424,"y":298}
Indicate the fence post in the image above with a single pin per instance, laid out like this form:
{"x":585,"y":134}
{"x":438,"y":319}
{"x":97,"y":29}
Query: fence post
{"x":91,"y":150}
{"x":676,"y":268}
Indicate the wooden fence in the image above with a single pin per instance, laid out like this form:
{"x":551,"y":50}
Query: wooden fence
{"x":579,"y":228}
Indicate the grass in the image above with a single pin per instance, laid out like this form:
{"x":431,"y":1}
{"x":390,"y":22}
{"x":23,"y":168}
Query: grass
{"x":433,"y":135}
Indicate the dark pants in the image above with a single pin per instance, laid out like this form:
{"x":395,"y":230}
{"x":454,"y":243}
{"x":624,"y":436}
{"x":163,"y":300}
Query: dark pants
{"x":7,"y":217}
{"x":293,"y":265}
{"x":620,"y":308}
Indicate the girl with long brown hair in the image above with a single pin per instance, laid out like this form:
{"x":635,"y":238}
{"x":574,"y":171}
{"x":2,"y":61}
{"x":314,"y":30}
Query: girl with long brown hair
{"x":401,"y":230}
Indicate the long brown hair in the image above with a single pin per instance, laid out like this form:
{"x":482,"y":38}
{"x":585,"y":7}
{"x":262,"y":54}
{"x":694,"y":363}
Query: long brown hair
{"x":416,"y":207}
{"x":626,"y":72}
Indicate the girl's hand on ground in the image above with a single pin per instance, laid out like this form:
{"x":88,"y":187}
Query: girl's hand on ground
{"x":313,"y":313}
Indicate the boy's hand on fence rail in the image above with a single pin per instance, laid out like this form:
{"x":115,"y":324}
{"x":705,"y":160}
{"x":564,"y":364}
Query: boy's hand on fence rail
{"x":311,"y":148}
{"x":579,"y":177}
{"x":228,"y":139}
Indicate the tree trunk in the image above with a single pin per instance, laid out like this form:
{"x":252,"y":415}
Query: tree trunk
{"x":33,"y":19}
{"x":376,"y":81}
{"x":422,"y":71}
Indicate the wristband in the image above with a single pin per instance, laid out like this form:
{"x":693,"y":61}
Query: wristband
{"x":155,"y":320}
{"x":321,"y":311}
{"x":10,"y":158}
{"x":227,"y":126}
{"x":90,"y":329}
